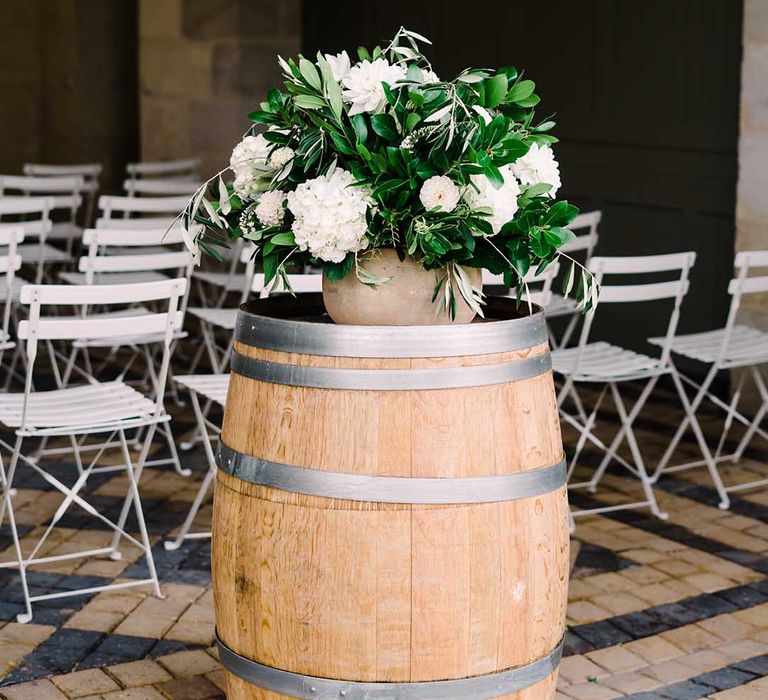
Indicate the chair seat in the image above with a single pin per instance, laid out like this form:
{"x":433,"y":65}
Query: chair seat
{"x":209,"y":386}
{"x":560,"y":306}
{"x":221,"y":318}
{"x":88,"y":408}
{"x":31,"y":253}
{"x":601,"y":362}
{"x":114,"y":277}
{"x":225,"y":280}
{"x":746,"y":346}
{"x":15,"y":288}
{"x":65,"y":231}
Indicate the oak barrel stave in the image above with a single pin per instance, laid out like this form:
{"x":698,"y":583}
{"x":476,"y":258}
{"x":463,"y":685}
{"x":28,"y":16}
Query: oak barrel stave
{"x":390,"y":592}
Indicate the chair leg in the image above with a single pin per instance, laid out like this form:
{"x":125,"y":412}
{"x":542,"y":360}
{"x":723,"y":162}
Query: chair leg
{"x":6,"y":483}
{"x":714,"y":474}
{"x":627,"y":421}
{"x":759,"y":416}
{"x":133,"y":491}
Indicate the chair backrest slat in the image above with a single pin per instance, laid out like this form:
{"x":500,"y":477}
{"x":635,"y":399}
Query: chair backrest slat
{"x":78,"y":295}
{"x":46,"y":185}
{"x":641,"y":292}
{"x":641,"y":263}
{"x":164,"y":167}
{"x":134,"y":263}
{"x":133,"y":237}
{"x":26,"y":205}
{"x":76,"y":328}
{"x":161,"y":187}
{"x":87,"y":170}
{"x":151,"y":222}
{"x":127,"y":206}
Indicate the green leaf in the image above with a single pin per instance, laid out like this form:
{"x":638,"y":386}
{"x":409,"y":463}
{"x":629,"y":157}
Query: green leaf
{"x":384,"y":125}
{"x":361,"y":130}
{"x":310,"y":74}
{"x":283,"y":239}
{"x":341,"y":144}
{"x":562,"y":235}
{"x":309,"y":102}
{"x":337,"y":271}
{"x":531,"y":101}
{"x":411,"y":121}
{"x":224,"y":204}
{"x":495,"y":90}
{"x":521,"y":91}
{"x":269,"y":263}
{"x":335,"y":99}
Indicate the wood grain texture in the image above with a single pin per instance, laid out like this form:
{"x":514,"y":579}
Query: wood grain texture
{"x":364,"y":591}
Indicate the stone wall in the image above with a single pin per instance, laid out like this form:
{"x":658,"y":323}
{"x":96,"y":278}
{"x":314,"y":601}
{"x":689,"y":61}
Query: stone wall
{"x":68,"y":84}
{"x":203,"y":66}
{"x":752,"y":188}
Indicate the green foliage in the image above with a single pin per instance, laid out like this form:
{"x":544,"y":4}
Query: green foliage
{"x":476,"y":124}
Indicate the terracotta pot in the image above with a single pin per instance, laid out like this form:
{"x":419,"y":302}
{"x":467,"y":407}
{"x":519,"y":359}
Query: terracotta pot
{"x":405,"y":300}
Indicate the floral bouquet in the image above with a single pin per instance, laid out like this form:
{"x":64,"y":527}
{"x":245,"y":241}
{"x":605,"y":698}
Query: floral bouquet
{"x":383,"y":154}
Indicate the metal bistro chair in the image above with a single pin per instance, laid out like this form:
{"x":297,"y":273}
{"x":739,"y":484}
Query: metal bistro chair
{"x":90,"y":172}
{"x":10,"y":263}
{"x":66,"y":194}
{"x":33,"y":215}
{"x":542,"y":283}
{"x":734,"y":346}
{"x":611,"y":365}
{"x":96,"y":408}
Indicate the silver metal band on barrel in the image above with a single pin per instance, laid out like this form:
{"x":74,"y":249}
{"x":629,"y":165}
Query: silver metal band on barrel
{"x":391,"y":489}
{"x":390,"y":379}
{"x":295,"y":685}
{"x":390,"y":341}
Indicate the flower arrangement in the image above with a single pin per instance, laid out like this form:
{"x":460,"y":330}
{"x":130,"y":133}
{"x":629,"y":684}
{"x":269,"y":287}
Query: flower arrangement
{"x":384,"y":154}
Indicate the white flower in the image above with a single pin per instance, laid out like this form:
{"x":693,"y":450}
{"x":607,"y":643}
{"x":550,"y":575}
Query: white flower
{"x":440,"y":193}
{"x":330,"y":215}
{"x":429,"y":76}
{"x":280,"y":157}
{"x":363,"y":89}
{"x":538,"y":166}
{"x":339,"y":64}
{"x":502,"y":202}
{"x":269,"y":211}
{"x":249,"y":163}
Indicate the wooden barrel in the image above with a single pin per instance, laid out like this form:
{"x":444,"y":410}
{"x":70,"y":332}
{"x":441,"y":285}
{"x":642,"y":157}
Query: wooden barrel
{"x":390,"y":517}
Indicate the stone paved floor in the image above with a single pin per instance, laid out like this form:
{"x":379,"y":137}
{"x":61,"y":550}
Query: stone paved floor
{"x":658,"y":609}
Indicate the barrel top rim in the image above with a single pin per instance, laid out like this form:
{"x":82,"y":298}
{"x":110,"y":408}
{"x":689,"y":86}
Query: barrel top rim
{"x":299,"y":324}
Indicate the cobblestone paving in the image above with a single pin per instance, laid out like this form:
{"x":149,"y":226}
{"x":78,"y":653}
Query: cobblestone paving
{"x":658,"y":609}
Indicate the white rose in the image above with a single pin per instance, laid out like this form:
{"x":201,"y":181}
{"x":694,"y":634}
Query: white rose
{"x":363,"y":85}
{"x":329,"y":215}
{"x":502,"y":201}
{"x":538,"y":166}
{"x":249,"y":163}
{"x":340,"y":65}
{"x":269,"y":211}
{"x":440,"y":193}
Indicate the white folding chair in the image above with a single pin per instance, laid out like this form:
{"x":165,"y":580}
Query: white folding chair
{"x":602,"y":363}
{"x":94,"y":409}
{"x":216,"y":282}
{"x":734,"y":346}
{"x":213,"y":389}
{"x":10,"y":263}
{"x":160,"y":187}
{"x":117,"y":256}
{"x":584,"y":245}
{"x":32,"y":214}
{"x":66,"y":193}
{"x":90,"y":172}
{"x":185,"y":168}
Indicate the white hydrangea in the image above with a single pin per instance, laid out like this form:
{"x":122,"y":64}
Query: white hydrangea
{"x":538,"y":166}
{"x":363,"y":85}
{"x":280,"y":157}
{"x":429,"y":76}
{"x":248,"y":162}
{"x":439,"y":192}
{"x":330,"y":215}
{"x":269,"y":211}
{"x":502,"y":201}
{"x":340,"y":65}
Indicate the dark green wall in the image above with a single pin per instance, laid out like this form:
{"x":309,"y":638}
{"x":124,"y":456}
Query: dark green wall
{"x":646,"y":96}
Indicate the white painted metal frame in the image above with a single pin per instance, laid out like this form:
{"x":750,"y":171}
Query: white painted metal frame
{"x":163,"y":187}
{"x":90,"y":172}
{"x":40,"y":228}
{"x":109,"y":408}
{"x":212,"y":388}
{"x":10,"y":263}
{"x":610,"y":365}
{"x":733,"y":346}
{"x":179,"y":169}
